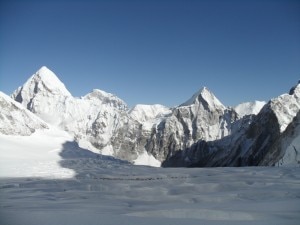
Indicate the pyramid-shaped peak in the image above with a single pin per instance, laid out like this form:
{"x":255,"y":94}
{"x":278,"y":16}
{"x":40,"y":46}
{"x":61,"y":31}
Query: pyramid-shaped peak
{"x":43,"y":82}
{"x":44,"y":69}
{"x":50,"y":81}
{"x":205,"y":97}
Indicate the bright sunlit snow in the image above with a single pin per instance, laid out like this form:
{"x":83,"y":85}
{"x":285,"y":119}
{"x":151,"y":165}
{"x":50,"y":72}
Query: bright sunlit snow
{"x":37,"y":155}
{"x":147,"y":159}
{"x":205,"y":95}
{"x":249,"y":108}
{"x":47,"y":179}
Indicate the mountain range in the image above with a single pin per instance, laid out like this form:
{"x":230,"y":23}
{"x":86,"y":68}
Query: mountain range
{"x":200,"y":132}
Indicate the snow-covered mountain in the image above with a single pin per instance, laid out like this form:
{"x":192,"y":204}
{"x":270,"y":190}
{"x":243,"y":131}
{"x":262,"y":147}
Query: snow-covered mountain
{"x":286,"y":149}
{"x":17,"y":120}
{"x":203,"y":117}
{"x":261,"y":139}
{"x":98,"y":121}
{"x":201,"y":131}
{"x":249,"y":108}
{"x":143,"y":113}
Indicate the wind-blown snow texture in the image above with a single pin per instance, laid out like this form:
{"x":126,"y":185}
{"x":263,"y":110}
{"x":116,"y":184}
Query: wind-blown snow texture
{"x":201,"y":131}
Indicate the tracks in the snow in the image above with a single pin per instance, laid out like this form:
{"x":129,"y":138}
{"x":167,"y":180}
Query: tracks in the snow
{"x":136,"y":178}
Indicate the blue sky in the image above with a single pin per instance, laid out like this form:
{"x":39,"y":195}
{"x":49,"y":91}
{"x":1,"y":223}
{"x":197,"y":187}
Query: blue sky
{"x":154,"y":51}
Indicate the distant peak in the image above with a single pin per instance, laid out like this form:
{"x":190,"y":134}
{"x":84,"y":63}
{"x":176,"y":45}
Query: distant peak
{"x":204,"y":89}
{"x":249,"y":108}
{"x":50,"y":81}
{"x":43,"y":81}
{"x":106,"y":98}
{"x":44,"y":68}
{"x":205,"y":97}
{"x":45,"y":71}
{"x":97,"y":93}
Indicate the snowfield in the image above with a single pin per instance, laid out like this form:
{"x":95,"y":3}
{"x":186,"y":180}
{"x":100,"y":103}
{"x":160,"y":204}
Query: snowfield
{"x":54,"y":181}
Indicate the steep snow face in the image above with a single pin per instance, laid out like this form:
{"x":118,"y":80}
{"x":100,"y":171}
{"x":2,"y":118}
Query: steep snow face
{"x":106,"y":99}
{"x":206,"y":98}
{"x":44,"y":80}
{"x":45,"y":95}
{"x":143,"y":113}
{"x":249,"y":108}
{"x":17,"y":120}
{"x":286,"y":107}
{"x":149,"y":115}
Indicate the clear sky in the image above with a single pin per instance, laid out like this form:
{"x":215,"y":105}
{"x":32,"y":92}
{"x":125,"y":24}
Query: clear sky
{"x":154,"y":51}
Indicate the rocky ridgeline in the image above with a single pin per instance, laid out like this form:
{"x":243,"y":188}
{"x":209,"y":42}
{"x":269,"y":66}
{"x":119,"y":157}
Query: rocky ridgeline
{"x":199,"y":132}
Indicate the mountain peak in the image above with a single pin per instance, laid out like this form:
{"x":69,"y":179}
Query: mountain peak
{"x":44,"y":68}
{"x":43,"y":82}
{"x":205,"y":97}
{"x":106,"y":98}
{"x":49,"y":81}
{"x":249,"y":108}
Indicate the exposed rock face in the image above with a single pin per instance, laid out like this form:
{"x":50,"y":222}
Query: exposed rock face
{"x":202,"y":117}
{"x":258,"y":141}
{"x":16,"y":120}
{"x":199,"y":132}
{"x":286,"y":149}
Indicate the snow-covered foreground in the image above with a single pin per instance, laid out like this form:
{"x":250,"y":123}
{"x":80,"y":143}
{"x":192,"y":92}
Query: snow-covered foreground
{"x":62,"y":183}
{"x":112,"y":194}
{"x":37,"y":155}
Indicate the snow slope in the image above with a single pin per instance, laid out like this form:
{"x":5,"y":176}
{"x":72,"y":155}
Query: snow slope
{"x":146,"y":159}
{"x":149,"y":115}
{"x":249,"y":108}
{"x":17,"y":120}
{"x":124,"y":194}
{"x":204,"y":95}
{"x":143,"y":113}
{"x":34,"y":156}
{"x":47,"y":179}
{"x":47,"y":154}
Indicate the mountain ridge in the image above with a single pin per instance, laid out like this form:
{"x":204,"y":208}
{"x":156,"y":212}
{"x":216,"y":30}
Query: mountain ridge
{"x":101,"y":121}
